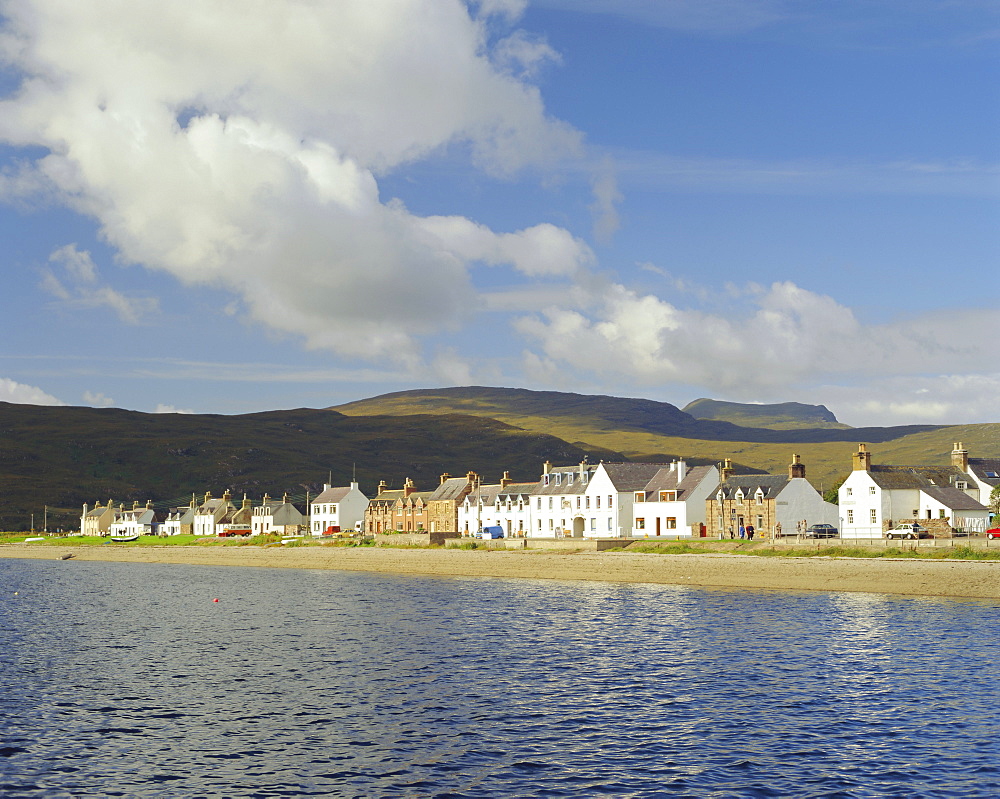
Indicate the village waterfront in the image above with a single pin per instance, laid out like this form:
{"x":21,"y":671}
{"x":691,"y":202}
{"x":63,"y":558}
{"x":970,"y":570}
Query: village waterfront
{"x":151,"y":679}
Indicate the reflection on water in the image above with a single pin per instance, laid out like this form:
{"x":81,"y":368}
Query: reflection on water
{"x":130,"y":680}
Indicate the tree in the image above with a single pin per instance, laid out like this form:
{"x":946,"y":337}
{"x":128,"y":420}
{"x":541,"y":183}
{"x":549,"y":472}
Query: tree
{"x":995,"y":500}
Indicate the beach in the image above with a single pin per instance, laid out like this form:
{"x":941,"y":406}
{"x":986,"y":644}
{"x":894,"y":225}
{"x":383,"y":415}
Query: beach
{"x":881,"y":575}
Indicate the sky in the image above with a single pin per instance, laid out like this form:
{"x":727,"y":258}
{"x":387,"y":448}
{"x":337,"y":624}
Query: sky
{"x":219,"y":207}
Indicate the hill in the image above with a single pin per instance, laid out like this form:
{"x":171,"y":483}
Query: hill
{"x":62,"y":457}
{"x":779,"y":416}
{"x":656,"y":431}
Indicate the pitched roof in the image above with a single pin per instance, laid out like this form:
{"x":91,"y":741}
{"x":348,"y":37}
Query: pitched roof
{"x":333,"y":494}
{"x":454,"y":488}
{"x":981,"y":467}
{"x":565,"y":480}
{"x":632,"y":476}
{"x":953,"y":498}
{"x":918,"y":477}
{"x":770,"y":485}
{"x":666,"y":480}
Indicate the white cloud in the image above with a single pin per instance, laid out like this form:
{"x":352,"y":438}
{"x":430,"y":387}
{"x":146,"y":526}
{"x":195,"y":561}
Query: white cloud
{"x":161,"y":408}
{"x":78,"y":286}
{"x":19,"y":393}
{"x":240,"y":146}
{"x":772,"y":342}
{"x":97,"y":399}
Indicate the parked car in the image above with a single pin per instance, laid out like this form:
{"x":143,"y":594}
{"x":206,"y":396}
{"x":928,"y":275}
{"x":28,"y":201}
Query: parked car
{"x":993,"y":532}
{"x":491,"y":532}
{"x":909,"y":530}
{"x":822,"y":531}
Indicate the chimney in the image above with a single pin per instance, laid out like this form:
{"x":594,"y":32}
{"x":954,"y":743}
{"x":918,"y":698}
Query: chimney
{"x":444,"y":477}
{"x":135,"y":504}
{"x":682,"y":470}
{"x":862,"y":459}
{"x":546,"y":467}
{"x":226,"y":496}
{"x":795,"y":468}
{"x":583,"y":470}
{"x":505,"y":480}
{"x":284,"y":499}
{"x":266,"y":500}
{"x":208,"y":496}
{"x":408,"y":487}
{"x":960,"y":457}
{"x":727,"y":470}
{"x":149,"y":504}
{"x":473,"y":479}
{"x":382,"y":486}
{"x":246,"y":502}
{"x":193,"y":501}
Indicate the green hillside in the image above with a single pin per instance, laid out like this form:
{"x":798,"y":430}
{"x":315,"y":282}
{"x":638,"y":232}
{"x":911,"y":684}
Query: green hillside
{"x":63,"y":457}
{"x":656,"y":431}
{"x":778,"y":416}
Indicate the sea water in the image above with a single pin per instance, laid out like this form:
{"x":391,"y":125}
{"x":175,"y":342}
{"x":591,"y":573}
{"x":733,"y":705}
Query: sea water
{"x":131,"y":680}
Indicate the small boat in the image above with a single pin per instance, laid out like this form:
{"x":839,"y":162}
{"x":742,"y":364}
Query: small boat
{"x":124,"y":538}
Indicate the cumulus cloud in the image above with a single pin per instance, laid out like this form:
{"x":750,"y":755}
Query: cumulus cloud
{"x":772,"y":341}
{"x":162,"y":408}
{"x":19,"y":393}
{"x":241,"y":147}
{"x":97,"y":399}
{"x":78,"y":285}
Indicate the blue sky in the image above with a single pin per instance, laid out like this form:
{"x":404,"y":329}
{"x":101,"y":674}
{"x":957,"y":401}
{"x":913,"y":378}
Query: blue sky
{"x":291,"y":204}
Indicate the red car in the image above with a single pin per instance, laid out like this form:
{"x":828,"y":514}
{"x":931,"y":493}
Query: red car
{"x":993,"y":532}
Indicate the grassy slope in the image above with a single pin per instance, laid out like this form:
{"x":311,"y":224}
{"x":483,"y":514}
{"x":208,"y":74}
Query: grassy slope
{"x":781,"y":416}
{"x":578,"y":418}
{"x":63,"y":457}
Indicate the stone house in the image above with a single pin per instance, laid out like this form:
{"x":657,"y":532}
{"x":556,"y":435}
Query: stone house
{"x":444,"y":501}
{"x":397,"y":510}
{"x":773,"y":504}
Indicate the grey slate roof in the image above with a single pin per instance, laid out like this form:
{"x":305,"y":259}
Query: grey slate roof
{"x":983,"y":465}
{"x":666,"y":480}
{"x":563,"y":487}
{"x":918,"y":477}
{"x":332,"y":494}
{"x":771,"y":485}
{"x":953,"y":498}
{"x":453,"y":489}
{"x":632,"y":476}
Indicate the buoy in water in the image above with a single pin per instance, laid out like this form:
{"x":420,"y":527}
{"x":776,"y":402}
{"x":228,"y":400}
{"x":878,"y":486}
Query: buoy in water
{"x":215,"y":600}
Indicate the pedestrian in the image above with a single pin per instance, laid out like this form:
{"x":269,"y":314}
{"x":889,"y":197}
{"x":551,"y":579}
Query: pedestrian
{"x":750,"y":532}
{"x":743,"y":531}
{"x":731,"y":533}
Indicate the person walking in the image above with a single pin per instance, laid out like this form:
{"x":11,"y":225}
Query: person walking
{"x":750,"y":532}
{"x":743,"y":531}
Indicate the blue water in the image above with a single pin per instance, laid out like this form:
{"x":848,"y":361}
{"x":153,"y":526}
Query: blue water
{"x":129,"y":680}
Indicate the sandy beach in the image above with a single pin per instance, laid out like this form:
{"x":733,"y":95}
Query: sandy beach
{"x":892,"y":576}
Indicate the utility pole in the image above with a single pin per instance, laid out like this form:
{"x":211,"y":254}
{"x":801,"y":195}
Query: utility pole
{"x":45,"y":519}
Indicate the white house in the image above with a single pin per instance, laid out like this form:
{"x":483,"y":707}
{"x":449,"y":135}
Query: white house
{"x":875,"y":498}
{"x":212,"y":514}
{"x":984,"y":471}
{"x":281,"y":518}
{"x":337,"y":508}
{"x":558,"y":508}
{"x":672,"y":503}
{"x":135,"y":521}
{"x":506,"y":504}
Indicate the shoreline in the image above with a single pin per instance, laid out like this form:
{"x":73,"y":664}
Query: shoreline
{"x":975,"y":579}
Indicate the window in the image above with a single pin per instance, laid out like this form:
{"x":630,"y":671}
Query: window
{"x":587,"y":503}
{"x":760,"y":498}
{"x":640,"y":524}
{"x":545,"y":480}
{"x":593,"y":525}
{"x":550,"y":503}
{"x":739,"y":497}
{"x":671,"y":523}
{"x":558,"y":478}
{"x":874,"y":516}
{"x":961,"y":485}
{"x":871,"y":489}
{"x":640,"y":496}
{"x":539,"y":503}
{"x":668,"y":496}
{"x":850,"y":492}
{"x":569,"y":478}
{"x":992,"y":475}
{"x":578,"y":503}
{"x":610,"y":525}
{"x":597,"y":503}
{"x":552,"y":523}
{"x":610,"y":498}
{"x":850,"y":516}
{"x":941,"y":513}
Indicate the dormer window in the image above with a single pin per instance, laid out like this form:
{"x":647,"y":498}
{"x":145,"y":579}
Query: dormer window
{"x":640,"y":496}
{"x":739,"y":496}
{"x":961,"y":485}
{"x":569,"y":478}
{"x":559,"y":478}
{"x":545,"y":480}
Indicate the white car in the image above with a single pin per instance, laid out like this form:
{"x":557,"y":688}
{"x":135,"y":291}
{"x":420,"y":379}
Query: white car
{"x":910,"y":531}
